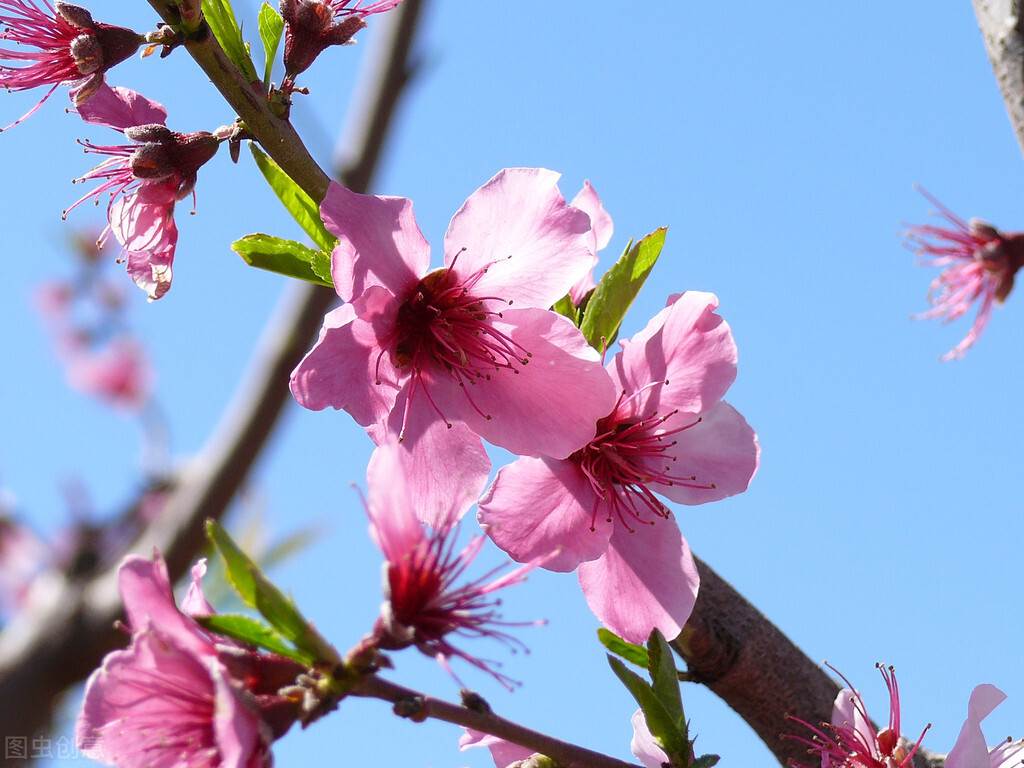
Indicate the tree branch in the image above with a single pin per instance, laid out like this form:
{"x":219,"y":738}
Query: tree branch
{"x":1002,"y":27}
{"x":565,"y":754}
{"x":68,"y":626}
{"x":731,"y":647}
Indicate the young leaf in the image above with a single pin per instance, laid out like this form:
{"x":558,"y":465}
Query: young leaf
{"x":617,"y":289}
{"x":246,"y":629}
{"x":300,"y":205}
{"x":285,"y":257}
{"x":566,"y":308}
{"x":636,"y":654}
{"x":659,"y":721}
{"x":271,"y":27}
{"x":664,"y":677}
{"x":282,"y":614}
{"x":221,"y":18}
{"x":705,"y":761}
{"x":237,"y":566}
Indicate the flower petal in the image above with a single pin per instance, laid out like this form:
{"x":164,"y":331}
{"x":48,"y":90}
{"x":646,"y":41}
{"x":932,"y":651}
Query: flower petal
{"x":237,"y":728}
{"x":195,"y":603}
{"x":588,"y":201}
{"x":379,"y":242}
{"x":686,"y":344}
{"x":151,"y":270}
{"x":343,"y":368}
{"x":643,"y":746}
{"x":519,"y":228}
{"x":504,"y":752}
{"x":721,"y":450}
{"x":390,"y":503}
{"x":121,"y":108}
{"x":971,"y":749}
{"x":551,"y":407}
{"x":646,"y":580}
{"x":536,"y":506}
{"x":846,"y":713}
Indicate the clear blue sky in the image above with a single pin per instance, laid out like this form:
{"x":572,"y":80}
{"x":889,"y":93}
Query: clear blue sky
{"x":779,"y":143}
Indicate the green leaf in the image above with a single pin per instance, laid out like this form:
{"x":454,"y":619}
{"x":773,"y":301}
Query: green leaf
{"x":221,"y":18}
{"x":566,"y":308}
{"x":661,"y":724}
{"x":705,"y":761}
{"x":254,"y":632}
{"x":664,"y":677}
{"x":636,"y":654}
{"x":300,"y":205}
{"x":271,"y":27}
{"x":285,"y":257}
{"x":237,"y":566}
{"x":617,"y":289}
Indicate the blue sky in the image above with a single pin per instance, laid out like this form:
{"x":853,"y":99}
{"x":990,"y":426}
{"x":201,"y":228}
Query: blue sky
{"x":779,"y":144}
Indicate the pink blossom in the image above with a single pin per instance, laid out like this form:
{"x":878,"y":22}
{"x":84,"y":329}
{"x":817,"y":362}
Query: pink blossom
{"x":171,"y":697}
{"x":978,"y":264}
{"x":22,"y":556}
{"x":850,"y":740}
{"x":971,"y":750}
{"x":601,"y":225}
{"x":669,"y":433}
{"x":312,"y":26}
{"x":472,"y":342}
{"x":425,"y":604}
{"x":505,"y":753}
{"x":72,"y":49}
{"x":119,"y":373}
{"x":144,"y":180}
{"x":643,"y":745}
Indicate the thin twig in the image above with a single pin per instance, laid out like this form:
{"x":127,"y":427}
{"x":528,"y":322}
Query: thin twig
{"x":69,"y":623}
{"x":565,"y":754}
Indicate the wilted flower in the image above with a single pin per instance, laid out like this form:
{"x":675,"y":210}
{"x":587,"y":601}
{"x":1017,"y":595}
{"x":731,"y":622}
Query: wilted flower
{"x":425,"y":605}
{"x":71,"y":49}
{"x":179,"y":695}
{"x":851,"y":741}
{"x":669,"y":434}
{"x":978,"y":263}
{"x":312,"y":26}
{"x":472,"y":342}
{"x":144,"y":179}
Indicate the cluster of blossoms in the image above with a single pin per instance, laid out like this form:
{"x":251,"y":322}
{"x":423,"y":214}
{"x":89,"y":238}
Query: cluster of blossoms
{"x":979,"y":264}
{"x":851,"y":741}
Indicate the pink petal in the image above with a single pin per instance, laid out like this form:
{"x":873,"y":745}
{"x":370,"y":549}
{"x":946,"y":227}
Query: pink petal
{"x":236,"y":726}
{"x":584,"y":286}
{"x":646,"y":580}
{"x":551,"y":407}
{"x":445,"y":469}
{"x":152,"y":271}
{"x":148,"y":601}
{"x":144,"y":221}
{"x":390,"y":504}
{"x":121,"y":108}
{"x":846,"y":714}
{"x":643,"y":746}
{"x":588,"y":201}
{"x":504,"y":752}
{"x":195,"y":603}
{"x":536,"y":506}
{"x":520,"y":214}
{"x":379,"y":242}
{"x":722,"y":449}
{"x":686,"y":344}
{"x":971,"y":749}
{"x":342,"y":368}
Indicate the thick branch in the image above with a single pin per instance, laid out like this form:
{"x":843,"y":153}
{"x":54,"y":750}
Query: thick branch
{"x":739,"y":654}
{"x":68,"y":625}
{"x":565,"y":754}
{"x":1003,"y":30}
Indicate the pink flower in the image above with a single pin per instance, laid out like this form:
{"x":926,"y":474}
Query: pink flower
{"x":312,"y":26}
{"x":72,"y":49}
{"x":602,"y":227}
{"x":979,"y":264}
{"x":144,"y":180}
{"x":668,"y":434}
{"x":171,"y":697}
{"x":850,"y":741}
{"x":504,"y":752}
{"x":643,"y":746}
{"x":425,"y":604}
{"x":472,"y":342}
{"x":22,"y":556}
{"x":971,"y":750}
{"x":118,"y":373}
